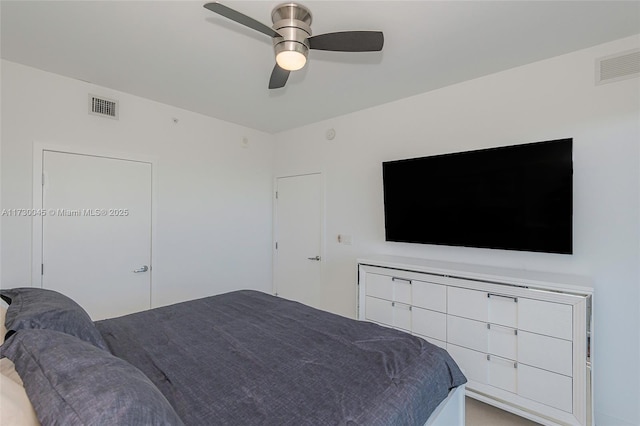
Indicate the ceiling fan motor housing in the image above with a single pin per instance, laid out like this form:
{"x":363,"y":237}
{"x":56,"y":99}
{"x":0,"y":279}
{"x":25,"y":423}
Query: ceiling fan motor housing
{"x":293,"y":22}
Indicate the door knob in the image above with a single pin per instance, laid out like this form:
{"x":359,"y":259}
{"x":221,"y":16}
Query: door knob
{"x":144,"y":268}
{"x":314,"y":258}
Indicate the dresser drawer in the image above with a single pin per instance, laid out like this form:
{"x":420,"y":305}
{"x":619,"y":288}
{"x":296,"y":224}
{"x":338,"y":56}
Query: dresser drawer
{"x":389,"y":287}
{"x":429,"y":323}
{"x":502,"y":341}
{"x":472,"y":363}
{"x":545,"y":352}
{"x":502,"y":373}
{"x":502,"y":310}
{"x":548,"y":318}
{"x":466,"y":303}
{"x":467,"y":333}
{"x":554,"y":390}
{"x":402,"y":316}
{"x":429,"y":296}
{"x":379,"y":310}
{"x":380,"y":286}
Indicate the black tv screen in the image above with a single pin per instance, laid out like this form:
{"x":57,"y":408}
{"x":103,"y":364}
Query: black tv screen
{"x":516,"y":198}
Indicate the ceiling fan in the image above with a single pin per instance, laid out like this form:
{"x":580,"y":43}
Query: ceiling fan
{"x":292,"y":39}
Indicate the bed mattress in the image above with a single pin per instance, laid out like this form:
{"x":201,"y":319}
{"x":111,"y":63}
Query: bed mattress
{"x":247,"y":357}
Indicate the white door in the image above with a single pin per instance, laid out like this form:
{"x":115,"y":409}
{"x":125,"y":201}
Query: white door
{"x":298,"y":261}
{"x":96,"y":236}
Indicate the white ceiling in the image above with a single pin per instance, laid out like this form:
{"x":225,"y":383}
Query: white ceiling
{"x":179,"y":53}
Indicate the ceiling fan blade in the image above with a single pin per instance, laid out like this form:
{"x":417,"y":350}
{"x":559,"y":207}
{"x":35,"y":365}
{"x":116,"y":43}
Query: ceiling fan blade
{"x":234,"y":15}
{"x":279,"y":77}
{"x":348,"y":41}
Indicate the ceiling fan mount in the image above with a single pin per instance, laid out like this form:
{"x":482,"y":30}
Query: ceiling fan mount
{"x":291,"y":12}
{"x":292,"y":37}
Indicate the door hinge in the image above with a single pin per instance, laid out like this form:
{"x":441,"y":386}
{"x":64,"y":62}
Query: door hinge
{"x":276,"y":195}
{"x":42,"y":269}
{"x":276,"y":245}
{"x":43,"y":179}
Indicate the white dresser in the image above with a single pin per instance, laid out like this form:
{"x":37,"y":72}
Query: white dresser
{"x":522,"y":338}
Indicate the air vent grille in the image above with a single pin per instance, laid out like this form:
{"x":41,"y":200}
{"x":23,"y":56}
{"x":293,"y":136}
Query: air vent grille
{"x":103,"y":107}
{"x":618,"y":67}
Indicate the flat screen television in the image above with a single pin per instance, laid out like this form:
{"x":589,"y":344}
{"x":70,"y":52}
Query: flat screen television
{"x":515,"y":198}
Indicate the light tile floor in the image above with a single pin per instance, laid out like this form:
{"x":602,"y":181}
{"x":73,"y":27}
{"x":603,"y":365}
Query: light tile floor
{"x":481,"y":414}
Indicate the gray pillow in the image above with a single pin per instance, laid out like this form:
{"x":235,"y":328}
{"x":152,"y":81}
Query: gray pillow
{"x":71,"y":382}
{"x":32,"y":307}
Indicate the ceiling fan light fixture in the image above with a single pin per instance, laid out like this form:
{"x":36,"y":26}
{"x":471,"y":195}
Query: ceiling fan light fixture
{"x":291,"y":60}
{"x":291,"y":55}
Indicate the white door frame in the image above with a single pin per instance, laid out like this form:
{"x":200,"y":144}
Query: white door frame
{"x":322,"y":226}
{"x":36,"y":233}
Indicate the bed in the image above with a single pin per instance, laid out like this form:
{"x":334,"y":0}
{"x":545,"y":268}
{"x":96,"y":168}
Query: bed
{"x":243,"y":357}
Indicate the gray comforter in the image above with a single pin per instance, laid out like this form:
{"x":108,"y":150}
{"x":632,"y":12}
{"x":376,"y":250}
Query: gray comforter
{"x":248,"y":358}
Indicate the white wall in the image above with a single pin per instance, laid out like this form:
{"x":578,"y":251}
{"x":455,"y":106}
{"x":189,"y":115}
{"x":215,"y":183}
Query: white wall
{"x":550,"y":99}
{"x":214,"y":201}
{"x":214,"y":208}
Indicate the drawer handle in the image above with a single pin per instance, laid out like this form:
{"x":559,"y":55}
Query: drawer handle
{"x":408,"y":306}
{"x":515,"y":330}
{"x":515,"y":299}
{"x":515,"y":363}
{"x":401,"y":279}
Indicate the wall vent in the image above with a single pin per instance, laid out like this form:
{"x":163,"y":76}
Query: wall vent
{"x":620,"y":66}
{"x":103,"y":107}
